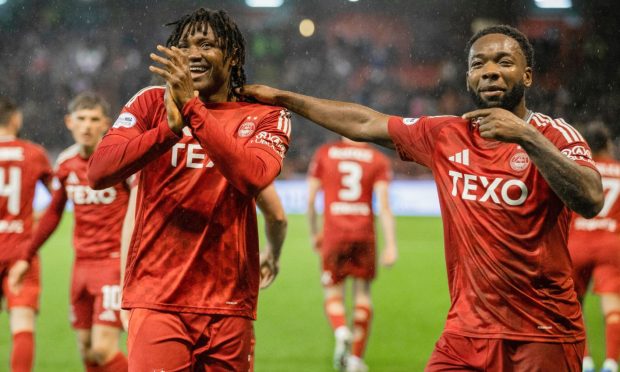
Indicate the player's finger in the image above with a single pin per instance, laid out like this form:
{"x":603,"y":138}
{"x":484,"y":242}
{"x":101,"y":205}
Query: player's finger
{"x":476,"y":114}
{"x":161,"y":72}
{"x":159,"y":59}
{"x":167,"y":51}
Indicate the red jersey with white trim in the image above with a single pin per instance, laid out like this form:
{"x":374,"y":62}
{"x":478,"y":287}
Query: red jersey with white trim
{"x":607,"y":222}
{"x":195,"y":242}
{"x":99,"y":214}
{"x":505,"y":230}
{"x":348,"y":173}
{"x":22,"y":164}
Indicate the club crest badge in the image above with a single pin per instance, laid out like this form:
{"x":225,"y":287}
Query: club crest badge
{"x":246,"y":129}
{"x":519,"y":161}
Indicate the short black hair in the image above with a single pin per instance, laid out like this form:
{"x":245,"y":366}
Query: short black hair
{"x":227,"y":34}
{"x":518,"y":36}
{"x":597,"y":135}
{"x":89,"y":100}
{"x":7,"y":108}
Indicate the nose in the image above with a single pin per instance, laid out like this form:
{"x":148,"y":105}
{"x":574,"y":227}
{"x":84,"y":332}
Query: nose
{"x":194,"y":53}
{"x":490,"y":72}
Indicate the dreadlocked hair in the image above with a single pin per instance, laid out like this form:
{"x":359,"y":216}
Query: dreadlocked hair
{"x":226,"y":32}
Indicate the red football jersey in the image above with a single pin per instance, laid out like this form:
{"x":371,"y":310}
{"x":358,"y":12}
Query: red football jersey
{"x":22,"y":164}
{"x":195,"y":242}
{"x":607,"y":222}
{"x":99,"y":214}
{"x":348,"y":173}
{"x":505,"y":230}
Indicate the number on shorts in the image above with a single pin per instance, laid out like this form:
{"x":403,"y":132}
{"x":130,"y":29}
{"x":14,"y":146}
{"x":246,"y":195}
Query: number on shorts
{"x":111,"y":297}
{"x":351,"y":177}
{"x":10,"y":187}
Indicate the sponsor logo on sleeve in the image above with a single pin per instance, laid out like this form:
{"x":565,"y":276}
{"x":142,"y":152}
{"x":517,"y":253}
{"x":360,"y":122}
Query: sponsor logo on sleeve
{"x":410,"y":121}
{"x":578,"y":153}
{"x":271,"y":140}
{"x":125,"y":120}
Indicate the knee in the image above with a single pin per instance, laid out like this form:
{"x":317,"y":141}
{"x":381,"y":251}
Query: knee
{"x":101,"y":354}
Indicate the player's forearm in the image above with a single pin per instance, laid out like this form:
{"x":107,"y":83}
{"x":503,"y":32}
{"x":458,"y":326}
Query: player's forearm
{"x":389,"y":228}
{"x":577,"y":186}
{"x":117,"y":157}
{"x":351,"y":120}
{"x":46,"y":226}
{"x":248,"y":169}
{"x":275,"y":231}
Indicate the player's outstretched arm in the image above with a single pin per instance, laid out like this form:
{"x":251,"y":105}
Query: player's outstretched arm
{"x":390,"y":250}
{"x":45,"y":227}
{"x":314,"y":185}
{"x":351,"y":120}
{"x":275,"y":231}
{"x":579,"y":187}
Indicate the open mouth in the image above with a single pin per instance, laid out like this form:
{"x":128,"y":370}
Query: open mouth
{"x":197,"y":71}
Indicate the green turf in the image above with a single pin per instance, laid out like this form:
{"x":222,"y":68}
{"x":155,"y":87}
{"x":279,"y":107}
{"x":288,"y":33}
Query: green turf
{"x":410,"y":301}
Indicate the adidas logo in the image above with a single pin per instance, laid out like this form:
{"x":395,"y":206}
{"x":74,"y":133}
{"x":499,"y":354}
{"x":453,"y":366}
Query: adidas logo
{"x":461,"y":157}
{"x":73,"y":178}
{"x":108,"y":316}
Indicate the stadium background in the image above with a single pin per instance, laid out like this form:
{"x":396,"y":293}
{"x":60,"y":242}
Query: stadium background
{"x":401,"y":57}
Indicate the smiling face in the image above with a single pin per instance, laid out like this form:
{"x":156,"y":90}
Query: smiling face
{"x":497,"y":73}
{"x":209,"y":66}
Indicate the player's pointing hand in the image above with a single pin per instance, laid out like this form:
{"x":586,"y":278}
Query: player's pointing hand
{"x":499,"y":124}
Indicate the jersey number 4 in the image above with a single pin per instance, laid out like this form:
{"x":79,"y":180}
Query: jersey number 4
{"x":10,"y":187}
{"x":351,"y":180}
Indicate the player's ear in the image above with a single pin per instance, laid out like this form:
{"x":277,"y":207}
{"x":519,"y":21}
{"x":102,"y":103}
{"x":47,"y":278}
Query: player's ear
{"x":68,"y":121}
{"x":527,"y":77}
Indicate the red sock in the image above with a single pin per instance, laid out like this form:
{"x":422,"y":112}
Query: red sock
{"x":361,"y":327}
{"x":336,"y":320}
{"x":612,"y":335}
{"x":116,"y":364}
{"x":586,"y":352}
{"x":22,"y":354}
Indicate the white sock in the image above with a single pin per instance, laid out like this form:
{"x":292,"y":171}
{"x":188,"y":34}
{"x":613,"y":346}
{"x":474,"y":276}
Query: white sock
{"x":588,"y":364}
{"x":342,"y":332}
{"x":610,"y":365}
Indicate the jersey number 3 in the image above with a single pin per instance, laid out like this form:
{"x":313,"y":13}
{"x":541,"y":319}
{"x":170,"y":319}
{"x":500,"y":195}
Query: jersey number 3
{"x":351,"y":180}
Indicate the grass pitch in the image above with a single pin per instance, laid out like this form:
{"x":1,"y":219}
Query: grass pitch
{"x":410,"y":301}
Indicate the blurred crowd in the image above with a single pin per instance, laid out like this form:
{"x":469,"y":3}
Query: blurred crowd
{"x":396,"y":61}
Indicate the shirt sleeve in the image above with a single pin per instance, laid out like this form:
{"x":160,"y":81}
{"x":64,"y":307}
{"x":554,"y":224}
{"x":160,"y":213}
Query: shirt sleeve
{"x":50,"y":219}
{"x":315,"y":169}
{"x":251,"y":166}
{"x":45,"y":169}
{"x":384,"y":169}
{"x":414,"y":138}
{"x":570,"y":142}
{"x":133,"y":141}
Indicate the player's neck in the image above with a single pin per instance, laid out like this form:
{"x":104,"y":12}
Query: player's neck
{"x":218,"y":97}
{"x":521,"y":111}
{"x":7,"y":132}
{"x":86,"y":151}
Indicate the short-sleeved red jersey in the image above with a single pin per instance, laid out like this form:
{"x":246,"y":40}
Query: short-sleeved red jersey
{"x":505,"y":230}
{"x":195,"y":241}
{"x":22,"y":164}
{"x":348,"y":173}
{"x":607,"y":222}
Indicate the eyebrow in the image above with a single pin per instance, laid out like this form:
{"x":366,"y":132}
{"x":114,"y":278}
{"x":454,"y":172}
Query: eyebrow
{"x":497,"y":55}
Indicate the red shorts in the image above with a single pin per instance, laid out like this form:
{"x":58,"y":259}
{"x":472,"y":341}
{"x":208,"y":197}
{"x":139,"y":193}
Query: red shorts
{"x":597,"y":259}
{"x":459,"y":353}
{"x":31,"y":287}
{"x":165,"y":341}
{"x":342,"y":259}
{"x":95,"y":294}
